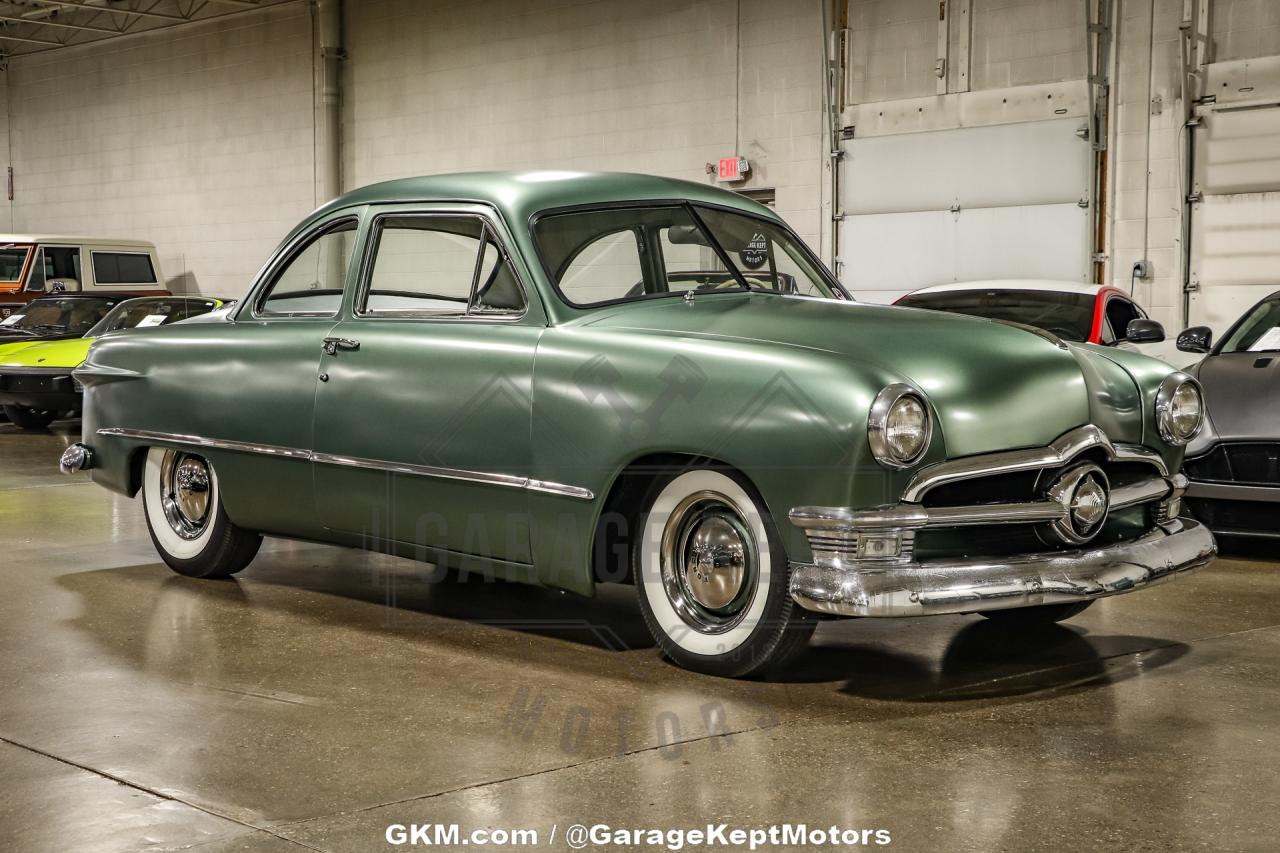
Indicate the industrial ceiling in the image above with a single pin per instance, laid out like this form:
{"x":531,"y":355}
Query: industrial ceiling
{"x":33,"y":26}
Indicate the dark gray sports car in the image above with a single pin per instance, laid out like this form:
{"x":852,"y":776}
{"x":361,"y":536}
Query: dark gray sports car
{"x":1234,"y":463}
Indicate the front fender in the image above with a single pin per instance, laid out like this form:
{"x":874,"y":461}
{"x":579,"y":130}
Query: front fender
{"x":792,"y":420}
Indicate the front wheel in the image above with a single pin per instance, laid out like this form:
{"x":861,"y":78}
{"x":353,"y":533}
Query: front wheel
{"x":188,"y":525}
{"x":28,"y":418}
{"x":712,"y":577}
{"x":1042,"y":614}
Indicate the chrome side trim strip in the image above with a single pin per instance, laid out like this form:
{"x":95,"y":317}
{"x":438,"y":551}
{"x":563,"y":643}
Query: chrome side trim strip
{"x":1060,"y":451}
{"x":216,"y":443}
{"x":485,"y":477}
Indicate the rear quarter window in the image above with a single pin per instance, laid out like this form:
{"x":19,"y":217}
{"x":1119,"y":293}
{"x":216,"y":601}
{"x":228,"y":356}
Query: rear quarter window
{"x":123,"y":268}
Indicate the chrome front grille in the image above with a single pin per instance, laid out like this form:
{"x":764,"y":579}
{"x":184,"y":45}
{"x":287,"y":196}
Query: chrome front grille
{"x":994,"y":491}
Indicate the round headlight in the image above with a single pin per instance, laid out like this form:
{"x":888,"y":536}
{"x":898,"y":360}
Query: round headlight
{"x":899,"y":426}
{"x":1179,"y":409}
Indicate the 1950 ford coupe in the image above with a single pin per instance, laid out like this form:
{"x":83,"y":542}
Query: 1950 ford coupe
{"x":569,"y":379}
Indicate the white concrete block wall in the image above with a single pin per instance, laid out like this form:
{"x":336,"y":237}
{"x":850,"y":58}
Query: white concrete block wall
{"x":200,"y":140}
{"x":6,"y":211}
{"x":660,"y":86}
{"x":780,"y":120}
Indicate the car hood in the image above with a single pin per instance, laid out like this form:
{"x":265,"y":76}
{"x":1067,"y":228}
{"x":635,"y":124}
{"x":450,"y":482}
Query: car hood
{"x":66,"y":353}
{"x":994,"y":386}
{"x":8,"y":348}
{"x":1242,"y":395}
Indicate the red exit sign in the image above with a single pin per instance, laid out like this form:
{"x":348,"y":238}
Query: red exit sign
{"x":733,"y":168}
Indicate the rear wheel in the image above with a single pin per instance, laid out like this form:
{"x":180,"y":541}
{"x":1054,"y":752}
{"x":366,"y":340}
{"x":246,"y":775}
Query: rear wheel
{"x":28,"y":418}
{"x":1043,"y":614}
{"x":712,"y":577}
{"x":186,"y":520}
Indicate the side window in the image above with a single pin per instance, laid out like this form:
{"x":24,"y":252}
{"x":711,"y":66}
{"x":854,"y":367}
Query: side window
{"x":35,"y":281}
{"x":1119,"y":313}
{"x":55,"y":262}
{"x":311,"y":282}
{"x":423,"y":264}
{"x":608,"y":267}
{"x":123,"y":268}
{"x":440,"y":266}
{"x":497,"y":289}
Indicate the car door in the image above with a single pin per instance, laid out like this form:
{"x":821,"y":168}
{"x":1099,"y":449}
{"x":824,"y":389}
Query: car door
{"x":260,"y":377}
{"x":422,"y":417}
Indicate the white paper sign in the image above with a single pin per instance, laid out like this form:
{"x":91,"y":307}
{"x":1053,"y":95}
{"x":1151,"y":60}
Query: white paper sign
{"x":11,"y":320}
{"x":1269,"y":341}
{"x":151,"y":320}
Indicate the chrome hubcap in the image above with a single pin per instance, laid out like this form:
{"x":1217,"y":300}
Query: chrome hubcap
{"x":185,"y":493}
{"x":709,"y":562}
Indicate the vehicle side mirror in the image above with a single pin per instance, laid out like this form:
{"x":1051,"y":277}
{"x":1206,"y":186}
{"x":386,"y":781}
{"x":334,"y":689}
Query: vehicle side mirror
{"x":1196,"y":339}
{"x":1143,"y":331}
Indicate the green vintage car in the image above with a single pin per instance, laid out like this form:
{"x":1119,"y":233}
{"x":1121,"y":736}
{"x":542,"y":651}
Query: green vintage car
{"x":570,"y":379}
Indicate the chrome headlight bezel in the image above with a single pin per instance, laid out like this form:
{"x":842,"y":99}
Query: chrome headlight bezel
{"x":878,"y":425}
{"x":1165,"y":395}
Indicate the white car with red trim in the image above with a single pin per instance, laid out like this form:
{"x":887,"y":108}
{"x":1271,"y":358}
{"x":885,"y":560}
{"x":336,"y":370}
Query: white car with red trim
{"x":1082,"y":313}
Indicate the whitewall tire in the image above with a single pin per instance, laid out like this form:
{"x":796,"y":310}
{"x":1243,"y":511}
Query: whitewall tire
{"x":186,"y":520}
{"x":712,"y":576}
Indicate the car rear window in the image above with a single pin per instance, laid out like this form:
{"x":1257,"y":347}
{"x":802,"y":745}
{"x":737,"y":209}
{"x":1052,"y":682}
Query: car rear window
{"x":1067,"y":315}
{"x":123,"y":268}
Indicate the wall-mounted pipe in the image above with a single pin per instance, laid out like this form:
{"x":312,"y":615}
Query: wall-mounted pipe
{"x":327,"y":62}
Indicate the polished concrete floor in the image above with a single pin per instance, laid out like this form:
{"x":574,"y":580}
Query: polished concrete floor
{"x":326,"y":694}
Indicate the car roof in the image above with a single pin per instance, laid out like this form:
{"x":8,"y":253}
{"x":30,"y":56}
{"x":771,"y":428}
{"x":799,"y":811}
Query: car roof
{"x":520,"y":194}
{"x":62,"y":238}
{"x":86,"y":294}
{"x":1046,"y":284}
{"x":171,"y":297}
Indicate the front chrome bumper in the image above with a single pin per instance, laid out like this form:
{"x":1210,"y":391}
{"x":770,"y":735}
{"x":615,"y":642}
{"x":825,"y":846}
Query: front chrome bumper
{"x":867,"y":588}
{"x":864,"y":560}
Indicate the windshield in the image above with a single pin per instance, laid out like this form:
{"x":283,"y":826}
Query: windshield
{"x":71,"y":316}
{"x":1259,"y":331}
{"x":13,"y":260}
{"x":151,"y":312}
{"x":597,"y":257}
{"x":1067,"y":315}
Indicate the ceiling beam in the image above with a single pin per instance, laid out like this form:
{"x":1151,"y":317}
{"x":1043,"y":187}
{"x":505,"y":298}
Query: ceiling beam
{"x":93,"y":7}
{"x":36,"y":22}
{"x":32,"y":40}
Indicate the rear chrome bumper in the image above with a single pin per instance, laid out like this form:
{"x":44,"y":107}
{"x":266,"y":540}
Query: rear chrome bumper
{"x":921,"y":588}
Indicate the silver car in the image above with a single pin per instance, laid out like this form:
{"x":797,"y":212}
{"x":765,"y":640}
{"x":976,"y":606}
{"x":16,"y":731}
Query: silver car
{"x":1234,"y":463}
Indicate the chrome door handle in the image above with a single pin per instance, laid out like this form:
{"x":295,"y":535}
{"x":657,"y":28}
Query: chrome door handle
{"x":332,"y":345}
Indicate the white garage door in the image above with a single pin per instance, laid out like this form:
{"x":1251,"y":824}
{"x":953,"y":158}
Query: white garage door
{"x":1007,"y":201}
{"x":1235,"y":227}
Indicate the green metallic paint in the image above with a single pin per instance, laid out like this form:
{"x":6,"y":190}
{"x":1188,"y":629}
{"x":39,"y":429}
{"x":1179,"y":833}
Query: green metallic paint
{"x":777,"y":387}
